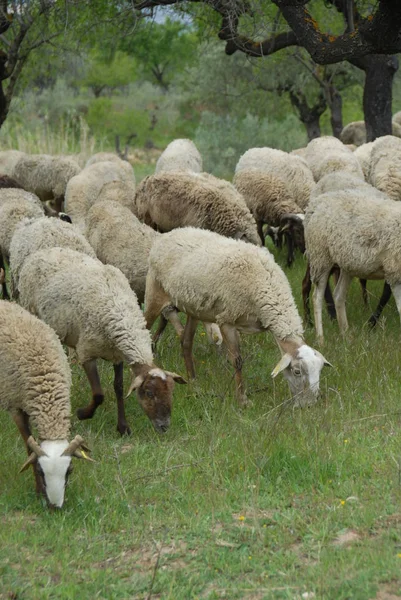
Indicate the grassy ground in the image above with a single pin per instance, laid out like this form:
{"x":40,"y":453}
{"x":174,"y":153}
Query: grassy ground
{"x":255,"y":504}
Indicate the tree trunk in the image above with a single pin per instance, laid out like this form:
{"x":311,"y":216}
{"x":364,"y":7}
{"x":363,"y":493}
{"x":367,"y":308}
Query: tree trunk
{"x":313,"y":127}
{"x":377,"y":94}
{"x":336,"y":111}
{"x":309,"y":115}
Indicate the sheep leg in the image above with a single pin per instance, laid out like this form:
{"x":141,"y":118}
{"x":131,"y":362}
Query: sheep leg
{"x":364,"y":291}
{"x":122,"y":425}
{"x":291,"y":249}
{"x":187,"y":340}
{"x":97,"y":393}
{"x":306,"y":288}
{"x":21,"y":419}
{"x":3,"y":284}
{"x":384,"y":298}
{"x":259,"y":225}
{"x":328,"y":298}
{"x":231,"y":340}
{"x":340,"y":294}
{"x":396,"y":289}
{"x":318,"y":295}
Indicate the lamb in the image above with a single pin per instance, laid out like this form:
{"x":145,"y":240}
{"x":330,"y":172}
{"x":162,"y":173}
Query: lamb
{"x":180,"y":155}
{"x":110,"y":157}
{"x":207,"y":276}
{"x":93,"y":310}
{"x":178,"y":199}
{"x":355,"y":132}
{"x":99,"y":181}
{"x":46,"y":176}
{"x":32,"y":235}
{"x":327,"y":154}
{"x":292,"y":169}
{"x":385,"y":165}
{"x":35,"y":390}
{"x":15,"y":205}
{"x":360,"y":232}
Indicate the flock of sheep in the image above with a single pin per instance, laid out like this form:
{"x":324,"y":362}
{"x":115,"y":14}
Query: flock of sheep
{"x":180,"y":241}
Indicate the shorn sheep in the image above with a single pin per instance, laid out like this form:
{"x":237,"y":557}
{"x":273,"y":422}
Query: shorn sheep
{"x":100,"y":181}
{"x":361,"y":233}
{"x":180,"y":155}
{"x":178,"y":199}
{"x":15,"y":205}
{"x":93,"y":310}
{"x":46,"y":176}
{"x":208,"y":277}
{"x":32,"y":235}
{"x":35,"y":390}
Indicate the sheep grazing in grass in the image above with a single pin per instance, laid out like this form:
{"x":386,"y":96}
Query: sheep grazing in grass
{"x":180,"y":155}
{"x":327,"y":154}
{"x":46,"y":176}
{"x":290,"y":168}
{"x":35,"y":390}
{"x":358,"y":231}
{"x":92,"y":309}
{"x":208,"y":277}
{"x":32,"y":235}
{"x":385,"y":166}
{"x":100,"y":181}
{"x":15,"y":205}
{"x":177,"y":199}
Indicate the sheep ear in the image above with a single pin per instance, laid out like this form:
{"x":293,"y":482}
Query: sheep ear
{"x":135,"y":384}
{"x":282,"y":364}
{"x":326,"y":362}
{"x":177,"y":378}
{"x":240,"y":235}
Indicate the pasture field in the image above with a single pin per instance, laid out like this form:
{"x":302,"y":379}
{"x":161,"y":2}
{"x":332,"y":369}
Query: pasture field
{"x":264,"y":503}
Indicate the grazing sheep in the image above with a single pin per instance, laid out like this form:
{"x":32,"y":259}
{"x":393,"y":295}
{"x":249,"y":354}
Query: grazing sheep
{"x":358,"y":231}
{"x":180,"y":155}
{"x":292,"y":169}
{"x":35,"y":390}
{"x":46,"y":176}
{"x":355,"y":132}
{"x":32,"y":235}
{"x":110,"y":157}
{"x":208,"y":277}
{"x":363,"y":153}
{"x":99,"y":181}
{"x":385,"y":166}
{"x":93,"y":310}
{"x":15,"y":205}
{"x":327,"y":154}
{"x":178,"y":199}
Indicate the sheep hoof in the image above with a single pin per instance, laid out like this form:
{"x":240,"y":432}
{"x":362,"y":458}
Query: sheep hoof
{"x":244,"y":402}
{"x":84,"y":413}
{"x":124,"y":429}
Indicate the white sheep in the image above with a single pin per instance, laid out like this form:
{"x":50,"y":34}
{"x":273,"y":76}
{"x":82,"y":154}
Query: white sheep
{"x":292,"y":169}
{"x":328,"y":154}
{"x":32,"y":235}
{"x":385,"y":166}
{"x":355,"y":132}
{"x":110,"y":157}
{"x":99,"y":181}
{"x":180,"y":155}
{"x":179,"y":199}
{"x":93,"y":310}
{"x":46,"y":176}
{"x":358,"y":230}
{"x":8,"y":160}
{"x":35,"y":390}
{"x":15,"y":205}
{"x":363,"y":153}
{"x":239,"y":287}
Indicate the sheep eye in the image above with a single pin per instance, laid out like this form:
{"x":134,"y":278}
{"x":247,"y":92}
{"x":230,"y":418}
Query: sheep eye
{"x":149,"y":394}
{"x":296,"y":371}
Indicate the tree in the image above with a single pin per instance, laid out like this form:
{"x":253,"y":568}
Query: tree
{"x":370,"y":35}
{"x":108,"y":73}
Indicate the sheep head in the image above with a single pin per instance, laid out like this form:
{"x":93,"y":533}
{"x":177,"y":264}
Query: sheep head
{"x":52,"y":463}
{"x":155,"y":393}
{"x":302,"y":367}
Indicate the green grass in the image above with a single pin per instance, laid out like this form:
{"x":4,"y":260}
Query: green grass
{"x":257,"y":504}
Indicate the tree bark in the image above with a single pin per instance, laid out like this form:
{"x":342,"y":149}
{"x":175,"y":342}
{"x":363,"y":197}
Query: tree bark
{"x":335,"y":102}
{"x":309,"y":115}
{"x":377,"y":94}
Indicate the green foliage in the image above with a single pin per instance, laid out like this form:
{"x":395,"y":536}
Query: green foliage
{"x":223,"y":139}
{"x":104,"y":73}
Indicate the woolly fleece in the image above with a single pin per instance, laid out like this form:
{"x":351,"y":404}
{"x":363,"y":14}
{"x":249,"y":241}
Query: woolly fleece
{"x":385,"y":166}
{"x":327,"y":154}
{"x":180,"y":155}
{"x":110,"y":157}
{"x":34,"y":372}
{"x":44,"y":175}
{"x":15,"y":205}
